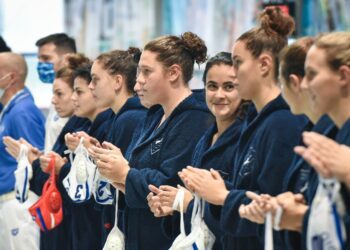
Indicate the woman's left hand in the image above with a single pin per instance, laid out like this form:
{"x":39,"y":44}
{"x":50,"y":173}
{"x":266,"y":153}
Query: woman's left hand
{"x":111,"y":162}
{"x":207,"y":184}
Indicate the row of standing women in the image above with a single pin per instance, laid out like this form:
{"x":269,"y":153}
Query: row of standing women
{"x":213,"y":146}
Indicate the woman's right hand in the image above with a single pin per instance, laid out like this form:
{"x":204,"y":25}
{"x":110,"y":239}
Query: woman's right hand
{"x":155,"y":205}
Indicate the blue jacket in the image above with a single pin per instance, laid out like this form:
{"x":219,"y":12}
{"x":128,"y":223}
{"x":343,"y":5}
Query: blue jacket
{"x":297,"y":179}
{"x":61,"y":236}
{"x":157,"y":157}
{"x":265,"y":151}
{"x":20,"y":118}
{"x":125,"y":126}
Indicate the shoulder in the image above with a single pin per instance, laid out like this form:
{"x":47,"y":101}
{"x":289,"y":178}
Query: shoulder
{"x":132,"y":115}
{"x":26,"y":108}
{"x":283,"y":119}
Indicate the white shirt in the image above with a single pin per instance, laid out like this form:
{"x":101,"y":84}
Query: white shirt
{"x":53,"y":128}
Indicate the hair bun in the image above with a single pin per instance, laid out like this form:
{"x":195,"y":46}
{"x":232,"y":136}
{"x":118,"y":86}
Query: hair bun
{"x":135,"y":52}
{"x":274,"y":20}
{"x":196,"y":46}
{"x":75,"y":60}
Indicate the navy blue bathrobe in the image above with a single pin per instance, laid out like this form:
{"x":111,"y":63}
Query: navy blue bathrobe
{"x":156,"y":158}
{"x":342,"y":137}
{"x":59,"y":237}
{"x":265,"y":151}
{"x":85,"y":220}
{"x":297,"y":179}
{"x":206,"y":156}
{"x":125,"y":126}
{"x":219,"y":157}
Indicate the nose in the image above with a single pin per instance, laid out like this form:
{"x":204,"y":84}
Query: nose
{"x":137,"y":87}
{"x":140,"y":79}
{"x":304,"y":83}
{"x":74,"y":96}
{"x":54,"y":100}
{"x":220,"y":93}
{"x":91,"y":86}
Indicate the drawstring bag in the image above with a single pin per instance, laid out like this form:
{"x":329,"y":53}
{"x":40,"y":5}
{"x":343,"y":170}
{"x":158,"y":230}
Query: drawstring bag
{"x":79,"y":181}
{"x":47,"y":211}
{"x":115,"y":239}
{"x":179,"y":203}
{"x":269,"y":227}
{"x":23,"y":174}
{"x":329,"y":231}
{"x":101,"y":189}
{"x":201,"y":237}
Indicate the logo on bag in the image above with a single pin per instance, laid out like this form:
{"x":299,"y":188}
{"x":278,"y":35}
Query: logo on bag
{"x":103,"y":193}
{"x":322,"y":241}
{"x":155,"y":146}
{"x":15,"y":231}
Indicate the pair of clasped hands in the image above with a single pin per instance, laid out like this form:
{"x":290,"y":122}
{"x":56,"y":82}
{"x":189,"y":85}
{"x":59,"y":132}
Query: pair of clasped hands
{"x":210,"y":186}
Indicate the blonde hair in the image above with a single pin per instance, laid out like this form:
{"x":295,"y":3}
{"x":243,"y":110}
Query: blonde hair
{"x":337,"y":48}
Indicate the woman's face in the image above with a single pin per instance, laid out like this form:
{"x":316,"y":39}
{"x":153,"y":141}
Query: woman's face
{"x":151,"y":83}
{"x":321,"y":79}
{"x":221,"y":95}
{"x":246,"y":70}
{"x":84,"y":102}
{"x":102,"y":86}
{"x":61,"y":98}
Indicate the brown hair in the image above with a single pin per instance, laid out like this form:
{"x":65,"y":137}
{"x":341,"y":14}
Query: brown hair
{"x":271,"y":36}
{"x":292,"y":58}
{"x":183,"y":50}
{"x":73,"y":62}
{"x":121,"y":62}
{"x":337,"y":48}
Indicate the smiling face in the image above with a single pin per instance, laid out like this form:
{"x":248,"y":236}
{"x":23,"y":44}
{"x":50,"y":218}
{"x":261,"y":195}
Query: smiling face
{"x":102,"y":86}
{"x":246,"y":70}
{"x":61,"y":98}
{"x":321,"y":80}
{"x":221,"y":95}
{"x":84,"y":102}
{"x":151,"y":83}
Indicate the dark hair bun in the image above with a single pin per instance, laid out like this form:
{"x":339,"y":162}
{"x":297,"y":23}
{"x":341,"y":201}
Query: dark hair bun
{"x":274,"y":20}
{"x":134,"y":50}
{"x":74,"y":61}
{"x":196,"y":46}
{"x":135,"y":53}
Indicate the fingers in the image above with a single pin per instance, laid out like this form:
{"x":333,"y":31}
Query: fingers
{"x":110,"y":146}
{"x":253,"y":196}
{"x":94,"y":142}
{"x":299,"y":198}
{"x":149,"y":196}
{"x":22,"y":140}
{"x":215,"y":174}
{"x":12,"y":146}
{"x":154,"y":189}
{"x":44,"y":163}
{"x":168,"y":188}
{"x":252,"y":212}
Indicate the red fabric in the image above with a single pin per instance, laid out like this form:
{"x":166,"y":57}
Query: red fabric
{"x":47,"y":211}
